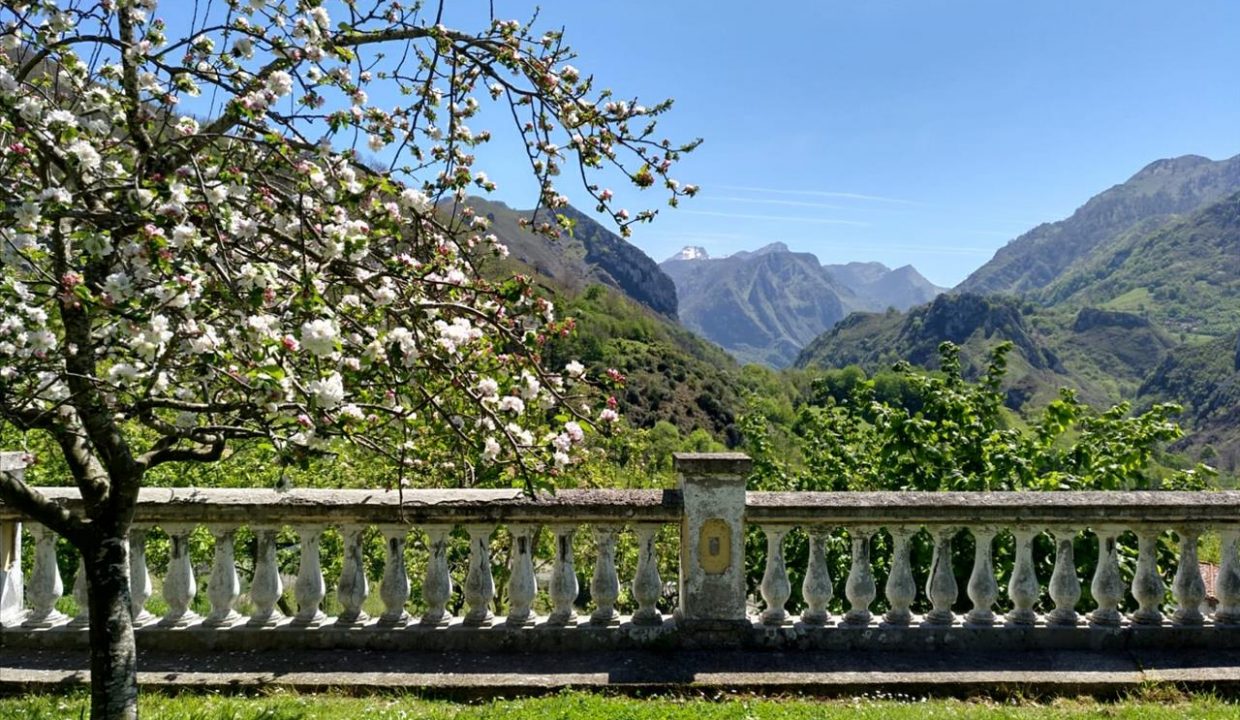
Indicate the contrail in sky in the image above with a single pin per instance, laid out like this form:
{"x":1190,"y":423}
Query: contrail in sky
{"x":818,"y":193}
{"x":773,"y":201}
{"x":781,"y":218}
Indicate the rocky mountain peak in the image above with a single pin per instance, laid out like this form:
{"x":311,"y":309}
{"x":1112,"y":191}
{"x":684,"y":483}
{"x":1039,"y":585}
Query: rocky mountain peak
{"x":690,"y":252}
{"x":771,"y":249}
{"x":1171,"y":166}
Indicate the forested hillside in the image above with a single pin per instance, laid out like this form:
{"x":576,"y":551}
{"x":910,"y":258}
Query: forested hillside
{"x":1146,"y":201}
{"x":1136,"y":297}
{"x":625,"y":309}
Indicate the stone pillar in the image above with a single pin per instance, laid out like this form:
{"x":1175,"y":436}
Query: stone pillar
{"x":266,"y":588}
{"x":817,"y":589}
{"x":11,"y":590}
{"x":46,"y":587}
{"x":437,"y":586}
{"x":180,"y":586}
{"x":647,"y":585}
{"x":352,"y":587}
{"x":712,"y":537}
{"x":605,"y":583}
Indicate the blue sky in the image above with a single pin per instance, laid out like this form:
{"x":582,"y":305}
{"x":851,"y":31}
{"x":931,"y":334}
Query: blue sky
{"x":928,"y":132}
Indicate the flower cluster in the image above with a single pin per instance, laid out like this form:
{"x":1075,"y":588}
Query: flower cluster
{"x":229,"y":269}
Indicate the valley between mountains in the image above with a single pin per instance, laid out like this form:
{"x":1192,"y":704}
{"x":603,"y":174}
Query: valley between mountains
{"x":1133,"y":298}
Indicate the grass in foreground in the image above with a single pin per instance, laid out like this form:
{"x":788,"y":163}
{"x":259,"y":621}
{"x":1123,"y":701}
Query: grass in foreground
{"x":1155,"y":703}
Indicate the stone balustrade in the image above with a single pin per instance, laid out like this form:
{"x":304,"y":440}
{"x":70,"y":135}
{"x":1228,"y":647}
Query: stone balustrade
{"x":921,"y":602}
{"x":1097,"y":518}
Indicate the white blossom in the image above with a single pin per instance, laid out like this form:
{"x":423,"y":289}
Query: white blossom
{"x":319,"y":337}
{"x":490,"y":449}
{"x":512,"y":404}
{"x":327,"y":392}
{"x":280,"y":83}
{"x":416,"y":200}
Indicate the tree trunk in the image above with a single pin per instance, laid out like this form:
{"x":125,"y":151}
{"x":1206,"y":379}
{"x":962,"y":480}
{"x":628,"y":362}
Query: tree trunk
{"x":113,"y":656}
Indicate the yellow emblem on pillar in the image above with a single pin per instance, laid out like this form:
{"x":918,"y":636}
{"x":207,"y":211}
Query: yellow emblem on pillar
{"x":715,"y":547}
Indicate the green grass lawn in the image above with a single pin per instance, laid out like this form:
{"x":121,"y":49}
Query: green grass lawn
{"x":1154,"y":703}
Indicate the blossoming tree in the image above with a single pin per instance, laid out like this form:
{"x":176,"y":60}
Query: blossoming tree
{"x":192,"y":253}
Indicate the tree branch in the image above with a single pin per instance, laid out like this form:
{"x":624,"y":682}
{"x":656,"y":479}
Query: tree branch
{"x":35,"y":504}
{"x":165,"y":451}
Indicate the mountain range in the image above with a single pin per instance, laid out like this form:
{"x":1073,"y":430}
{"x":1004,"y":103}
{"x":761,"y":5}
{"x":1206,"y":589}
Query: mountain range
{"x":765,"y":305}
{"x":625,"y":308}
{"x":1135,"y":297}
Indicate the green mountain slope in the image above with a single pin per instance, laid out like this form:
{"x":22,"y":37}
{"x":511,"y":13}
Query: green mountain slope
{"x":976,"y":323}
{"x":589,"y":254}
{"x":619,"y":304}
{"x":1205,"y":379}
{"x":1104,"y":356}
{"x":671,"y":373}
{"x":1134,"y":298}
{"x":1184,"y":274}
{"x":1149,"y":199}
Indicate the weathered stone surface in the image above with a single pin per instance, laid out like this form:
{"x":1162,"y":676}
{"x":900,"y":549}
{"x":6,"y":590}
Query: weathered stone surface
{"x":542,"y":636}
{"x":1004,"y":509}
{"x":996,"y":674}
{"x":713,"y":464}
{"x":712,"y":537}
{"x":711,"y":508}
{"x":246,"y":505}
{"x":11,"y":581}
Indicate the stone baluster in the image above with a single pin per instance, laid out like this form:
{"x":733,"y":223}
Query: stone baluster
{"x":266,"y":586}
{"x":941,"y":586}
{"x":983,"y":589}
{"x":479,"y":583}
{"x":647,"y":585}
{"x":180,"y":587}
{"x":1187,"y":587}
{"x":1023,"y":587}
{"x":1227,"y":584}
{"x":775,"y":588}
{"x":81,"y":596}
{"x":1107,"y":586}
{"x":522,"y":586}
{"x":1065,"y":586}
{"x":901,"y":588}
{"x":353,"y":587}
{"x":223,"y":587}
{"x":605,"y":583}
{"x":309,"y":588}
{"x":860,"y":588}
{"x":139,"y":576}
{"x":563,"y":588}
{"x":394,"y":590}
{"x":437,"y":585}
{"x":45,"y":586}
{"x":817,"y":588}
{"x":1147,"y":582}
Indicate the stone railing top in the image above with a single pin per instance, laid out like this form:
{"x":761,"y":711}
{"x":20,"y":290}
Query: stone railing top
{"x":1040,"y":509}
{"x":1005,"y":509}
{"x":264,"y":506}
{"x":10,"y":461}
